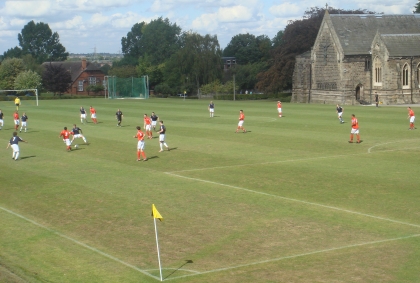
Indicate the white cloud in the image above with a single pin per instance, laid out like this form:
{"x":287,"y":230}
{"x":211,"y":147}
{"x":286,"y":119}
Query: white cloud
{"x":224,"y":15}
{"x":26,"y":8}
{"x":286,"y":9}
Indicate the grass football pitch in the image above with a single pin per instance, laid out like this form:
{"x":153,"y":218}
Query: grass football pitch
{"x":289,"y":201}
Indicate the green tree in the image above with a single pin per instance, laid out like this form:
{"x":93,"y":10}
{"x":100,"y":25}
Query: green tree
{"x":247,"y":48}
{"x":246,"y":75}
{"x":132,"y":44}
{"x":278,"y":39}
{"x":154,"y":72}
{"x":15,"y":52}
{"x":39,"y":41}
{"x":56,"y":78}
{"x":95,"y":88}
{"x":27,"y":80}
{"x":123,"y":71}
{"x":9,"y":70}
{"x":417,"y":8}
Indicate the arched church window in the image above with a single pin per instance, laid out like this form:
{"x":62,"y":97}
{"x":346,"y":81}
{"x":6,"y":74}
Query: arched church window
{"x":405,"y":76}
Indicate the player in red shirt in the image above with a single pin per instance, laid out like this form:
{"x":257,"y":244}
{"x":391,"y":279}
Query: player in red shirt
{"x":411,"y":117}
{"x":148,"y":126}
{"x":16,"y":119}
{"x":93,"y":115}
{"x":241,"y":121}
{"x":140,"y":144}
{"x":279,"y":108}
{"x":66,"y":138}
{"x":354,"y":129}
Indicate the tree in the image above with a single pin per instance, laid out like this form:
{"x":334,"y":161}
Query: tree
{"x":417,"y":8}
{"x":39,"y":41}
{"x":9,"y":70}
{"x":123,"y":71}
{"x":132,"y":44}
{"x":246,"y":75}
{"x":56,"y":78}
{"x":277,"y":39}
{"x":298,"y":37}
{"x":247,"y":48}
{"x":95,"y":88}
{"x":27,"y":80}
{"x":15,"y":52}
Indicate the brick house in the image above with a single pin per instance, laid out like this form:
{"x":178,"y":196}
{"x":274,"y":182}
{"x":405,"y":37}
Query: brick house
{"x":356,"y":57}
{"x":83,"y":74}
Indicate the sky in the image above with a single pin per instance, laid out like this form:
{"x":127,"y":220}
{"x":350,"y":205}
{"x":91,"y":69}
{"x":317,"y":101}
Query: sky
{"x":86,"y":25}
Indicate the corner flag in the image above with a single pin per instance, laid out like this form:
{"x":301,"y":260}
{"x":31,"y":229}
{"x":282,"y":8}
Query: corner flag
{"x":156,"y":213}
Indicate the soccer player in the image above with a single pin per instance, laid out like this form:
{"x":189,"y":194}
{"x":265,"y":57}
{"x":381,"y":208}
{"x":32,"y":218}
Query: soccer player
{"x":140,"y":144}
{"x":211,"y":109}
{"x":82,"y":115}
{"x":66,"y":138}
{"x":241,"y":121}
{"x":14,"y":143}
{"x":119,"y":115}
{"x":16,"y":120}
{"x":279,"y":108}
{"x":162,"y":131}
{"x":24,"y":119}
{"x":354,"y":129}
{"x":148,"y":126}
{"x":77,"y":133}
{"x":154,"y":120}
{"x":17,"y":102}
{"x":93,"y":115}
{"x":411,"y":117}
{"x":340,"y":110}
{"x":1,"y":119}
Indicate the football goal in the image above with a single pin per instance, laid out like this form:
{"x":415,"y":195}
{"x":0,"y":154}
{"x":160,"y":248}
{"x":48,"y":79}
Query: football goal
{"x":126,"y":87}
{"x":21,"y":92}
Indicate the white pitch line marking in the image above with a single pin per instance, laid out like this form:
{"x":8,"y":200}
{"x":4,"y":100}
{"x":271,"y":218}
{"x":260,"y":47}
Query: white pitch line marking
{"x":298,"y":255}
{"x":296,"y":200}
{"x":370,"y":148}
{"x":80,"y":243}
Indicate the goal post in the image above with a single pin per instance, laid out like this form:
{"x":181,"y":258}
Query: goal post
{"x":126,"y":87}
{"x":17,"y":91}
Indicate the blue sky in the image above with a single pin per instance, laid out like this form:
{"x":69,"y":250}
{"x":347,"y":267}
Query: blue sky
{"x":86,"y":24}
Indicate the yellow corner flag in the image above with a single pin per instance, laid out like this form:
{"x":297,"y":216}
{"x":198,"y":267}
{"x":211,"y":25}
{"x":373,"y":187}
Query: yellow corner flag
{"x":156,"y":213}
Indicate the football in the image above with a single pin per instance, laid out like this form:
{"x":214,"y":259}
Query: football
{"x":76,"y":146}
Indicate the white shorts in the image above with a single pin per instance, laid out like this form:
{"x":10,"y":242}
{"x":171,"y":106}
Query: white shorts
{"x":412,"y":118}
{"x":1,"y":122}
{"x":340,"y":114}
{"x":279,"y":110}
{"x":83,"y":116}
{"x":161,"y":137}
{"x":154,"y":123}
{"x":67,"y":141}
{"x":16,"y":122}
{"x":354,"y":131}
{"x":77,"y":136}
{"x":15,"y":147}
{"x":23,"y":124}
{"x":140,"y":145}
{"x":93,"y":116}
{"x":211,"y":110}
{"x":148,"y":127}
{"x":241,"y":122}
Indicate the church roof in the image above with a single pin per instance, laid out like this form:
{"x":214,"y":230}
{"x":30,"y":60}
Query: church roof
{"x":356,"y":32}
{"x":402,"y":44}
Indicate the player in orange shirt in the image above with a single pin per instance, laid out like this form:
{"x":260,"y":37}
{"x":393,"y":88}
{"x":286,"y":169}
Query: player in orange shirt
{"x":241,"y":121}
{"x":93,"y":115}
{"x":411,"y":117}
{"x":354,"y":129}
{"x":140,"y":144}
{"x":66,"y":137}
{"x":148,"y":126}
{"x":279,"y":108}
{"x":16,"y":120}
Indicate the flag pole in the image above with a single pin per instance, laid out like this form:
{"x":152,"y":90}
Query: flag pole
{"x":157,"y":246}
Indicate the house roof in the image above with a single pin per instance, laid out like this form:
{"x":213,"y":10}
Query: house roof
{"x":75,"y":67}
{"x":356,"y":32}
{"x":402,"y":44}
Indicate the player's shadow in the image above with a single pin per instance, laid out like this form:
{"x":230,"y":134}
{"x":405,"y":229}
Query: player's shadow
{"x":28,"y":132}
{"x":172,"y":148}
{"x":26,"y":157}
{"x":175,"y":270}
{"x":152,"y":157}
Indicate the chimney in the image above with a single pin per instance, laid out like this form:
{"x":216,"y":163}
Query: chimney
{"x":83,"y":63}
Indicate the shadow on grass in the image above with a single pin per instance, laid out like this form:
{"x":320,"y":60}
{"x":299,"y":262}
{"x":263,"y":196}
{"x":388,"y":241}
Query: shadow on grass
{"x":182,"y":265}
{"x":26,"y":157}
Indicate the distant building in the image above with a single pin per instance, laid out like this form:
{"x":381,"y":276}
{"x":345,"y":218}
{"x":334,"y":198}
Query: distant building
{"x":83,"y":73}
{"x":228,"y":62}
{"x":356,"y":57}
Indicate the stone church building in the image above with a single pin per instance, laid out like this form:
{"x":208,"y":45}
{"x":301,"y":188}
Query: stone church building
{"x":356,"y":58}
